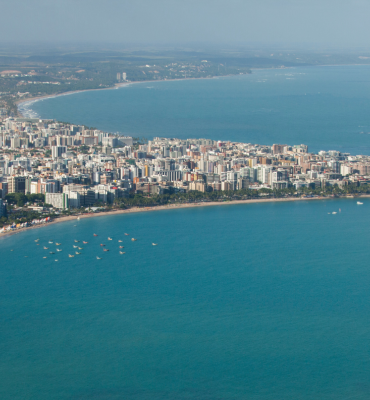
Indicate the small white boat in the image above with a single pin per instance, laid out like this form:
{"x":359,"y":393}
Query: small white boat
{"x":120,"y":241}
{"x":133,"y":240}
{"x":76,"y":241}
{"x":55,"y":260}
{"x":110,"y":238}
{"x":359,"y":202}
{"x":80,"y":248}
{"x":44,"y":257}
{"x":58,"y":244}
{"x":50,"y":242}
{"x":85,"y":242}
{"x":98,"y":258}
{"x":37,"y":240}
{"x":75,"y":247}
{"x":70,"y":255}
{"x":59,"y":250}
{"x":78,"y":218}
{"x":46,"y":248}
{"x":122,"y":252}
{"x":76,"y":252}
{"x":121,"y":247}
{"x":155,"y":244}
{"x":126,"y":234}
{"x":334,"y":212}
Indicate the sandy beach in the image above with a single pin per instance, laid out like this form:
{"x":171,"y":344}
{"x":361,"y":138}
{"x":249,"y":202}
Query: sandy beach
{"x":168,"y":207}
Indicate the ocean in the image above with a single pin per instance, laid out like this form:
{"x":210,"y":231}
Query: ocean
{"x":326,"y":108}
{"x":257,"y":301}
{"x":237,"y":302}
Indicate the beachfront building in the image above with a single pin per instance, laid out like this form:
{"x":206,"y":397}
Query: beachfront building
{"x":57,"y":200}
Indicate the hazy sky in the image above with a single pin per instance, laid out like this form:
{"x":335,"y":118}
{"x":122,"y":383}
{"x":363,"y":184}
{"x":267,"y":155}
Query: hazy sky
{"x":327,"y":22}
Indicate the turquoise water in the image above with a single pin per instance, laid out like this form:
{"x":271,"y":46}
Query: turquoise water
{"x":257,"y":302}
{"x":324,"y":107}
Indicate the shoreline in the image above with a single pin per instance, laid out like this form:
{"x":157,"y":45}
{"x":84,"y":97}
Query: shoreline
{"x":172,"y":207}
{"x":116,"y":86}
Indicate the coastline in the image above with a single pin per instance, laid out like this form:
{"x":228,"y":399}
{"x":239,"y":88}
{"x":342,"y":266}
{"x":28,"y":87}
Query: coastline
{"x":171,"y":207}
{"x":116,"y":86}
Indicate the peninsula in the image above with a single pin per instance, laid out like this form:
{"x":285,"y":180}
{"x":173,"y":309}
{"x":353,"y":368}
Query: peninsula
{"x":50,"y":170}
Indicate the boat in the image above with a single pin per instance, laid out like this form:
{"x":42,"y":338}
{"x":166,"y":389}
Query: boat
{"x":46,"y":248}
{"x":70,"y":255}
{"x":120,"y":241}
{"x":58,"y":244}
{"x":110,"y":238}
{"x":95,"y":234}
{"x":133,"y":240}
{"x":59,"y":250}
{"x":121,"y":247}
{"x":51,"y":252}
{"x":85,"y":242}
{"x":155,"y":244}
{"x":78,"y":218}
{"x":126,"y":234}
{"x":334,"y":212}
{"x":101,"y":244}
{"x":98,"y":258}
{"x":80,"y":248}
{"x":77,"y":253}
{"x":55,"y":260}
{"x":75,"y":247}
{"x":76,"y":241}
{"x":51,"y":242}
{"x":359,"y":202}
{"x":122,"y":252}
{"x":44,"y":257}
{"x":37,"y":240}
{"x":105,"y":249}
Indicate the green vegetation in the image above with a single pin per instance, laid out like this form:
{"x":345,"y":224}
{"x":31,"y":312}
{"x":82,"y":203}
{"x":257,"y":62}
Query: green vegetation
{"x":21,"y":199}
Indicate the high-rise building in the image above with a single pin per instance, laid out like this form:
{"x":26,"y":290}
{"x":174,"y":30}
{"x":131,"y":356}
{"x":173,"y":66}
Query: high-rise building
{"x":57,"y":151}
{"x":124,"y":76}
{"x":118,"y":77}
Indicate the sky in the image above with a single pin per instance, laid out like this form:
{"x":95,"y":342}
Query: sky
{"x":341,"y":23}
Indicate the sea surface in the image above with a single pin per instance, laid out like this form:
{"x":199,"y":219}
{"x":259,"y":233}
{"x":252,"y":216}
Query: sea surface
{"x":326,"y":108}
{"x":242,"y":302}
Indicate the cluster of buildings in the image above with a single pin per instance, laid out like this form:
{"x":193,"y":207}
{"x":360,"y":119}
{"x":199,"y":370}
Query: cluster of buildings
{"x":78,"y":167}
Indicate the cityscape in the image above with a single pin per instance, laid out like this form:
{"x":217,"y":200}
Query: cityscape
{"x":49,"y":169}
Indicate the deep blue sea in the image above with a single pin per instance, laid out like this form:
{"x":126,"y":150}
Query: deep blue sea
{"x":253,"y":302}
{"x":324,"y":107}
{"x":237,"y":302}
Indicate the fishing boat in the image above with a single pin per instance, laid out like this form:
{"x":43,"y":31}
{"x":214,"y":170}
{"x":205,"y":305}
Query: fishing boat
{"x":133,"y":240}
{"x":98,"y":258}
{"x":121,"y":247}
{"x":77,"y":253}
{"x":155,"y":244}
{"x":122,"y":252}
{"x":46,"y":248}
{"x":85,"y":242}
{"x":110,"y":238}
{"x":70,"y":255}
{"x":359,"y":202}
